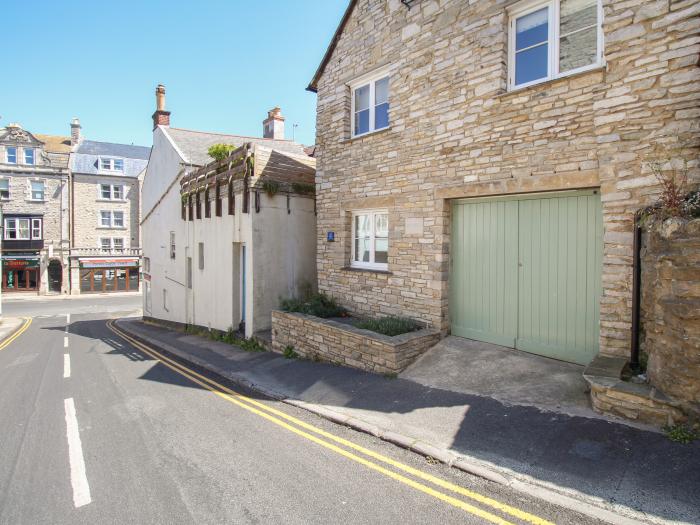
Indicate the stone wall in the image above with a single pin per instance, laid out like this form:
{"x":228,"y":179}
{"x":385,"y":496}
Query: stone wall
{"x":456,"y":132}
{"x":343,"y":344}
{"x":86,"y":229}
{"x":671,"y":309}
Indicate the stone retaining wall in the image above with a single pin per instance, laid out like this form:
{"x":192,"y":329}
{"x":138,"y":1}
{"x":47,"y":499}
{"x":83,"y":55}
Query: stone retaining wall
{"x":340,"y":343}
{"x":670,"y":309}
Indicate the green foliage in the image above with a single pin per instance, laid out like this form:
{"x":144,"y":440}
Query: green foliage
{"x":389,"y":325}
{"x":271,"y":187}
{"x":220,"y":151}
{"x":229,"y":337}
{"x":680,"y":433}
{"x":318,"y":304}
{"x":303,"y":188}
{"x":289,"y":352}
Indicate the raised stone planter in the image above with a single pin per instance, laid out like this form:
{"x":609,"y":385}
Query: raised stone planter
{"x":340,"y":343}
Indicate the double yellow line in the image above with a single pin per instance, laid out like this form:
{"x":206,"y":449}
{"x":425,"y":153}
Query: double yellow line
{"x":332,"y":441}
{"x":5,"y":342}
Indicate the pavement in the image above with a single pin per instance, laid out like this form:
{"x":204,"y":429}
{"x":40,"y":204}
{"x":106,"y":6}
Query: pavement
{"x":603,"y":468}
{"x":98,"y":429}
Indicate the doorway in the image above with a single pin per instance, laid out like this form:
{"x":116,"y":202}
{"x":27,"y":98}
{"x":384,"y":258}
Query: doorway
{"x":55,"y":275}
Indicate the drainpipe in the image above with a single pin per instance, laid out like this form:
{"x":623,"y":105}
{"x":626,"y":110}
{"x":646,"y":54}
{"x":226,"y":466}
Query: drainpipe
{"x":636,"y":290}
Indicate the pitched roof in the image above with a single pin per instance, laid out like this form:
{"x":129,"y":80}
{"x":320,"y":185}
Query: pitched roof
{"x":313,"y":85}
{"x":54,"y":143}
{"x":194,"y":144}
{"x":92,"y":147}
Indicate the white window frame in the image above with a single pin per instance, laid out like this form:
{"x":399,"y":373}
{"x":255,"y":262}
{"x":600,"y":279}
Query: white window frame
{"x":5,"y":179}
{"x":111,"y":161}
{"x":112,"y":188}
{"x":100,"y":219}
{"x":371,"y":265}
{"x":101,"y":243}
{"x":31,"y":191}
{"x":24,"y":156}
{"x":368,"y":79}
{"x":553,"y":41}
{"x":30,"y":221}
{"x":114,"y":219}
{"x":7,"y":154}
{"x":114,"y":239}
{"x":36,"y":224}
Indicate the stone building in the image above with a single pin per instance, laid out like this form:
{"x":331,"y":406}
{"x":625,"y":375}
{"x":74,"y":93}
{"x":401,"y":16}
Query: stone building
{"x":480,"y":163}
{"x":224,"y":241}
{"x":35,"y":215}
{"x":105,"y":231}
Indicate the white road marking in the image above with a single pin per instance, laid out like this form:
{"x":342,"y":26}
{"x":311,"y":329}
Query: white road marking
{"x":66,"y":365}
{"x":78,"y":478}
{"x":65,"y":341}
{"x":67,"y":319}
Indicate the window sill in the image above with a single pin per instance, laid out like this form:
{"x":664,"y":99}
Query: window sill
{"x":520,"y":90}
{"x":111,"y":200}
{"x":35,"y":200}
{"x":365,"y":135}
{"x":369,"y":270}
{"x":121,"y":228}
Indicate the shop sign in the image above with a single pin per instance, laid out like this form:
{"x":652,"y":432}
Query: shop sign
{"x":109,"y":263}
{"x":19,"y":262}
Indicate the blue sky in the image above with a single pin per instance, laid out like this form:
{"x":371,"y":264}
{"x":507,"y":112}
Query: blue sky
{"x":224,"y":64}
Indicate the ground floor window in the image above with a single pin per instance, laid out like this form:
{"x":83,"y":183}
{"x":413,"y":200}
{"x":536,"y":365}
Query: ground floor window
{"x":109,"y":279}
{"x":20,"y":280}
{"x":370,"y":239}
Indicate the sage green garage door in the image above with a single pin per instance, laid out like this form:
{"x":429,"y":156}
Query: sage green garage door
{"x":526,"y":273}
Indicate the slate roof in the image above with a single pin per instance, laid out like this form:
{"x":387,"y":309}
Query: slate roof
{"x":86,"y":158}
{"x":194,"y":144}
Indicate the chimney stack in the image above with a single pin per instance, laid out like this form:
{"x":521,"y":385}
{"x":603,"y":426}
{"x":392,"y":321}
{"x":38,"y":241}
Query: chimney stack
{"x":160,"y":116}
{"x":75,"y":136}
{"x":273,"y":125}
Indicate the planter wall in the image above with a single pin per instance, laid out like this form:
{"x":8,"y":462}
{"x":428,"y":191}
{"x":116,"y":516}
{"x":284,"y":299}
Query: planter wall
{"x":670,"y":309}
{"x":340,"y":343}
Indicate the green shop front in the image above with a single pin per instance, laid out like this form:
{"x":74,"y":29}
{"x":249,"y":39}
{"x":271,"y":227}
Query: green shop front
{"x":105,"y":275}
{"x":21,"y":272}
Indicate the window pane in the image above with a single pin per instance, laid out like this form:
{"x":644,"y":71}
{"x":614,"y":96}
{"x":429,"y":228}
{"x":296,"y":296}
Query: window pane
{"x":23,"y":228}
{"x":578,"y":49}
{"x":531,"y":64}
{"x":4,"y":184}
{"x":105,"y":191}
{"x":381,"y":116}
{"x":105,"y":164}
{"x":577,"y":14}
{"x":11,"y":155}
{"x":362,"y":98}
{"x":117,"y":192}
{"x":381,"y":251}
{"x":381,"y":91}
{"x":532,"y":29}
{"x":362,"y":122}
{"x":118,"y":219}
{"x":106,"y":243}
{"x":118,"y":243}
{"x":29,"y":156}
{"x":362,"y":238}
{"x":118,"y":164}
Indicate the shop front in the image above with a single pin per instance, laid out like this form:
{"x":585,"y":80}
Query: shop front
{"x":21,"y":272}
{"x":109,"y":275}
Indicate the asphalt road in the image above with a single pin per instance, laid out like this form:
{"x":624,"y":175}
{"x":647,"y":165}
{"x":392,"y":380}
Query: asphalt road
{"x":110,"y":434}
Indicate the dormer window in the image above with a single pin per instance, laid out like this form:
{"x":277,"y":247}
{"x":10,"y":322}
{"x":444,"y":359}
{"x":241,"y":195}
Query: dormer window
{"x":29,"y":156}
{"x":11,"y":155}
{"x":111,"y":164}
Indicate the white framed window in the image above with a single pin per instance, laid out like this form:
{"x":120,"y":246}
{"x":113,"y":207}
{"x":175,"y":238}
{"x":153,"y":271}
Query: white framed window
{"x":172,"y":245}
{"x":110,"y":192}
{"x":118,"y":243}
{"x":105,"y":219}
{"x":10,"y":154}
{"x":111,"y":164}
{"x":36,"y":229}
{"x":106,"y":243}
{"x":29,"y":156}
{"x":22,"y":229}
{"x":118,"y":219}
{"x":111,"y":243}
{"x":553,"y":38}
{"x":36,"y":190}
{"x":369,"y":101}
{"x":4,"y":189}
{"x":370,"y":239}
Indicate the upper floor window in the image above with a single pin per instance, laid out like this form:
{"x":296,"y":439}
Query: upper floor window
{"x":173,"y":251}
{"x":23,"y":229}
{"x":36,"y":190}
{"x":370,"y":104}
{"x":111,"y":192}
{"x":111,"y":164}
{"x":29,"y":156}
{"x":553,"y":38}
{"x":4,"y":189}
{"x":370,"y":239}
{"x":11,"y":154}
{"x":111,"y":219}
{"x":111,"y":243}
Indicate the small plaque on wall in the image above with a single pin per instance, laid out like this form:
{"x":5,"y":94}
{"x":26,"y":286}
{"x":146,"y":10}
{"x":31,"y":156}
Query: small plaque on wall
{"x":414,"y":226}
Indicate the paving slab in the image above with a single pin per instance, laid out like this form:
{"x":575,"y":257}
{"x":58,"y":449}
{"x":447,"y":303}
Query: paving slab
{"x":635,"y":472}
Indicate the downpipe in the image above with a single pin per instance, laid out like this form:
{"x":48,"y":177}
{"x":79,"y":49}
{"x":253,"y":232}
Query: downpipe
{"x":636,"y":290}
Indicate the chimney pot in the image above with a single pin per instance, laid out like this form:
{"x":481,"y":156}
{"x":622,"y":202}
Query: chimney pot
{"x":273,"y":125}
{"x":161,"y":117}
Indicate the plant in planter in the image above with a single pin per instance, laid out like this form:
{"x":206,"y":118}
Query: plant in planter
{"x":319,"y":305}
{"x":391,"y":325}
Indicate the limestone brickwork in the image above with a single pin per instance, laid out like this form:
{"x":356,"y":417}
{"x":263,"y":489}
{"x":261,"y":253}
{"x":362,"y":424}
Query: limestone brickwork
{"x":455,"y":131}
{"x":88,"y":204}
{"x":343,"y":344}
{"x":671,"y":310}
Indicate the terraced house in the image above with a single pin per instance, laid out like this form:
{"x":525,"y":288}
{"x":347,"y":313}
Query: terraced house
{"x":480,"y":163}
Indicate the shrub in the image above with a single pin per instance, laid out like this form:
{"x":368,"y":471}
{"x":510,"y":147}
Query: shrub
{"x":289,"y":352}
{"x":271,"y":187}
{"x":318,"y":304}
{"x":220,"y":151}
{"x":389,"y":325}
{"x":680,"y":433}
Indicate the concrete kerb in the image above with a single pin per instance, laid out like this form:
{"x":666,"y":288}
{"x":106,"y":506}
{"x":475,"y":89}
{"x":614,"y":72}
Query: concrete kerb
{"x":9,"y":326}
{"x":573,"y":500}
